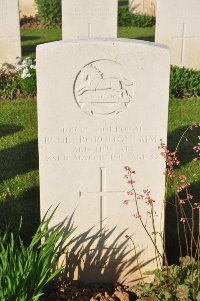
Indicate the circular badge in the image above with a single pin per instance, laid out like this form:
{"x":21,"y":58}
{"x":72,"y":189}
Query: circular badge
{"x":103,"y":88}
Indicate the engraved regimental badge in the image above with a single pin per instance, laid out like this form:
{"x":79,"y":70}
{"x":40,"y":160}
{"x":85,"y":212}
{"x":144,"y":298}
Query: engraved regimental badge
{"x":103,"y":88}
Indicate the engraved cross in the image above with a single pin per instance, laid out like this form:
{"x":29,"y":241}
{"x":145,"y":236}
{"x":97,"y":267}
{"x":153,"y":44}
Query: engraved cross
{"x":103,"y":194}
{"x":89,"y":32}
{"x":183,"y":37}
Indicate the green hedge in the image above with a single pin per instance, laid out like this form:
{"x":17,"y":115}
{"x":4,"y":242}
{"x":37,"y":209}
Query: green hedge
{"x":50,"y":15}
{"x":184,"y":83}
{"x":136,"y":20}
{"x":49,"y":12}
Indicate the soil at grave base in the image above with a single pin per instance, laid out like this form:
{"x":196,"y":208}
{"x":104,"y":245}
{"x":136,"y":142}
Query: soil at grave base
{"x":72,"y":291}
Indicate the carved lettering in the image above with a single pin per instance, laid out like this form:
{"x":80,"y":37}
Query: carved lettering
{"x":149,"y":139}
{"x":92,"y":12}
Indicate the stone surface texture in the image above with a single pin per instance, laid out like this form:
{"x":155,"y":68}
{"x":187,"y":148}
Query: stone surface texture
{"x":147,"y":7}
{"x":103,"y":105}
{"x":27,"y":8}
{"x":10,"y":45}
{"x":178,"y":24}
{"x":94,"y":18}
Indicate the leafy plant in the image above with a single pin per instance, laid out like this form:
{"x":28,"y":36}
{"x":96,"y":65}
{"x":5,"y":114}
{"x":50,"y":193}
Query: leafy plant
{"x":18,"y":81}
{"x":25,"y":271}
{"x":136,"y":20}
{"x":27,"y":76}
{"x":184,"y":82}
{"x":9,"y":85}
{"x":172,"y":283}
{"x":49,"y":12}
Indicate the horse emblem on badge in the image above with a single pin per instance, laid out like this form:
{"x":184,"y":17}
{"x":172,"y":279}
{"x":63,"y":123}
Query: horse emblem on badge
{"x":103,"y":88}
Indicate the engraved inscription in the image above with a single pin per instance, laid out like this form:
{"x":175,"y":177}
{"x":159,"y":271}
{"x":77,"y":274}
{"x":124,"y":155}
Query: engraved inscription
{"x":111,"y":143}
{"x":103,"y":88}
{"x":85,"y":12}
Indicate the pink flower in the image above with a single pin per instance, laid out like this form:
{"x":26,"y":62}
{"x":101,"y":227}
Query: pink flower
{"x":183,"y":178}
{"x":182,"y":187}
{"x":125,"y":202}
{"x":150,"y":201}
{"x":130,"y":193}
{"x":135,"y":215}
{"x":127,"y":168}
{"x":189,"y":196}
{"x":197,"y":206}
{"x":131,"y":182}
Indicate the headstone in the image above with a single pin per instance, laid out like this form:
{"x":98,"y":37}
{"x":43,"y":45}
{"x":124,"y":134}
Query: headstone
{"x":27,"y":8}
{"x":10,"y":47}
{"x":178,"y":24}
{"x":91,"y":18}
{"x":103,"y":105}
{"x":146,"y":7}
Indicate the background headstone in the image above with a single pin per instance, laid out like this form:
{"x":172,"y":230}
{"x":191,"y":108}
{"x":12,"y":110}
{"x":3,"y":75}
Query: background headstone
{"x":146,"y":7}
{"x":27,"y":8}
{"x":177,"y":26}
{"x":10,"y":45}
{"x":103,"y":105}
{"x":91,"y":18}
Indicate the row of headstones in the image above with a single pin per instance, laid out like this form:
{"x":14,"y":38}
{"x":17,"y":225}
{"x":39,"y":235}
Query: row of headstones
{"x":147,"y":7}
{"x":177,"y":26}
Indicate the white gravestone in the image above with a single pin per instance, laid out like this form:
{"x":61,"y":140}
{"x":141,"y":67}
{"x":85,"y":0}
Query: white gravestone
{"x":146,"y":7}
{"x":10,"y":45}
{"x":91,"y":18}
{"x":27,"y":8}
{"x":103,"y":105}
{"x":177,"y":26}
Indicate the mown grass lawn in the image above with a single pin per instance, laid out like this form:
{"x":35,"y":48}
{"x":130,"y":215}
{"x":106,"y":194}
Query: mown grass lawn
{"x":19,"y":194}
{"x":19,"y":176}
{"x":32,"y":37}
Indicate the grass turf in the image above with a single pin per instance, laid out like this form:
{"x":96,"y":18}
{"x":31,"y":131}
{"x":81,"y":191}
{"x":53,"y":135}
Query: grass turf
{"x":32,"y":37}
{"x":19,"y":166}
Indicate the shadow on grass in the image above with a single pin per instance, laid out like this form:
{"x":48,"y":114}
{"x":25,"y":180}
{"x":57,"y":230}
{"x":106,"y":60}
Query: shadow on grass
{"x":172,"y":222}
{"x":29,"y":38}
{"x":185,"y":152}
{"x":25,"y":206}
{"x":148,"y":39}
{"x":18,"y":160}
{"x":29,"y":50}
{"x":123,"y":3}
{"x":9,"y":129}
